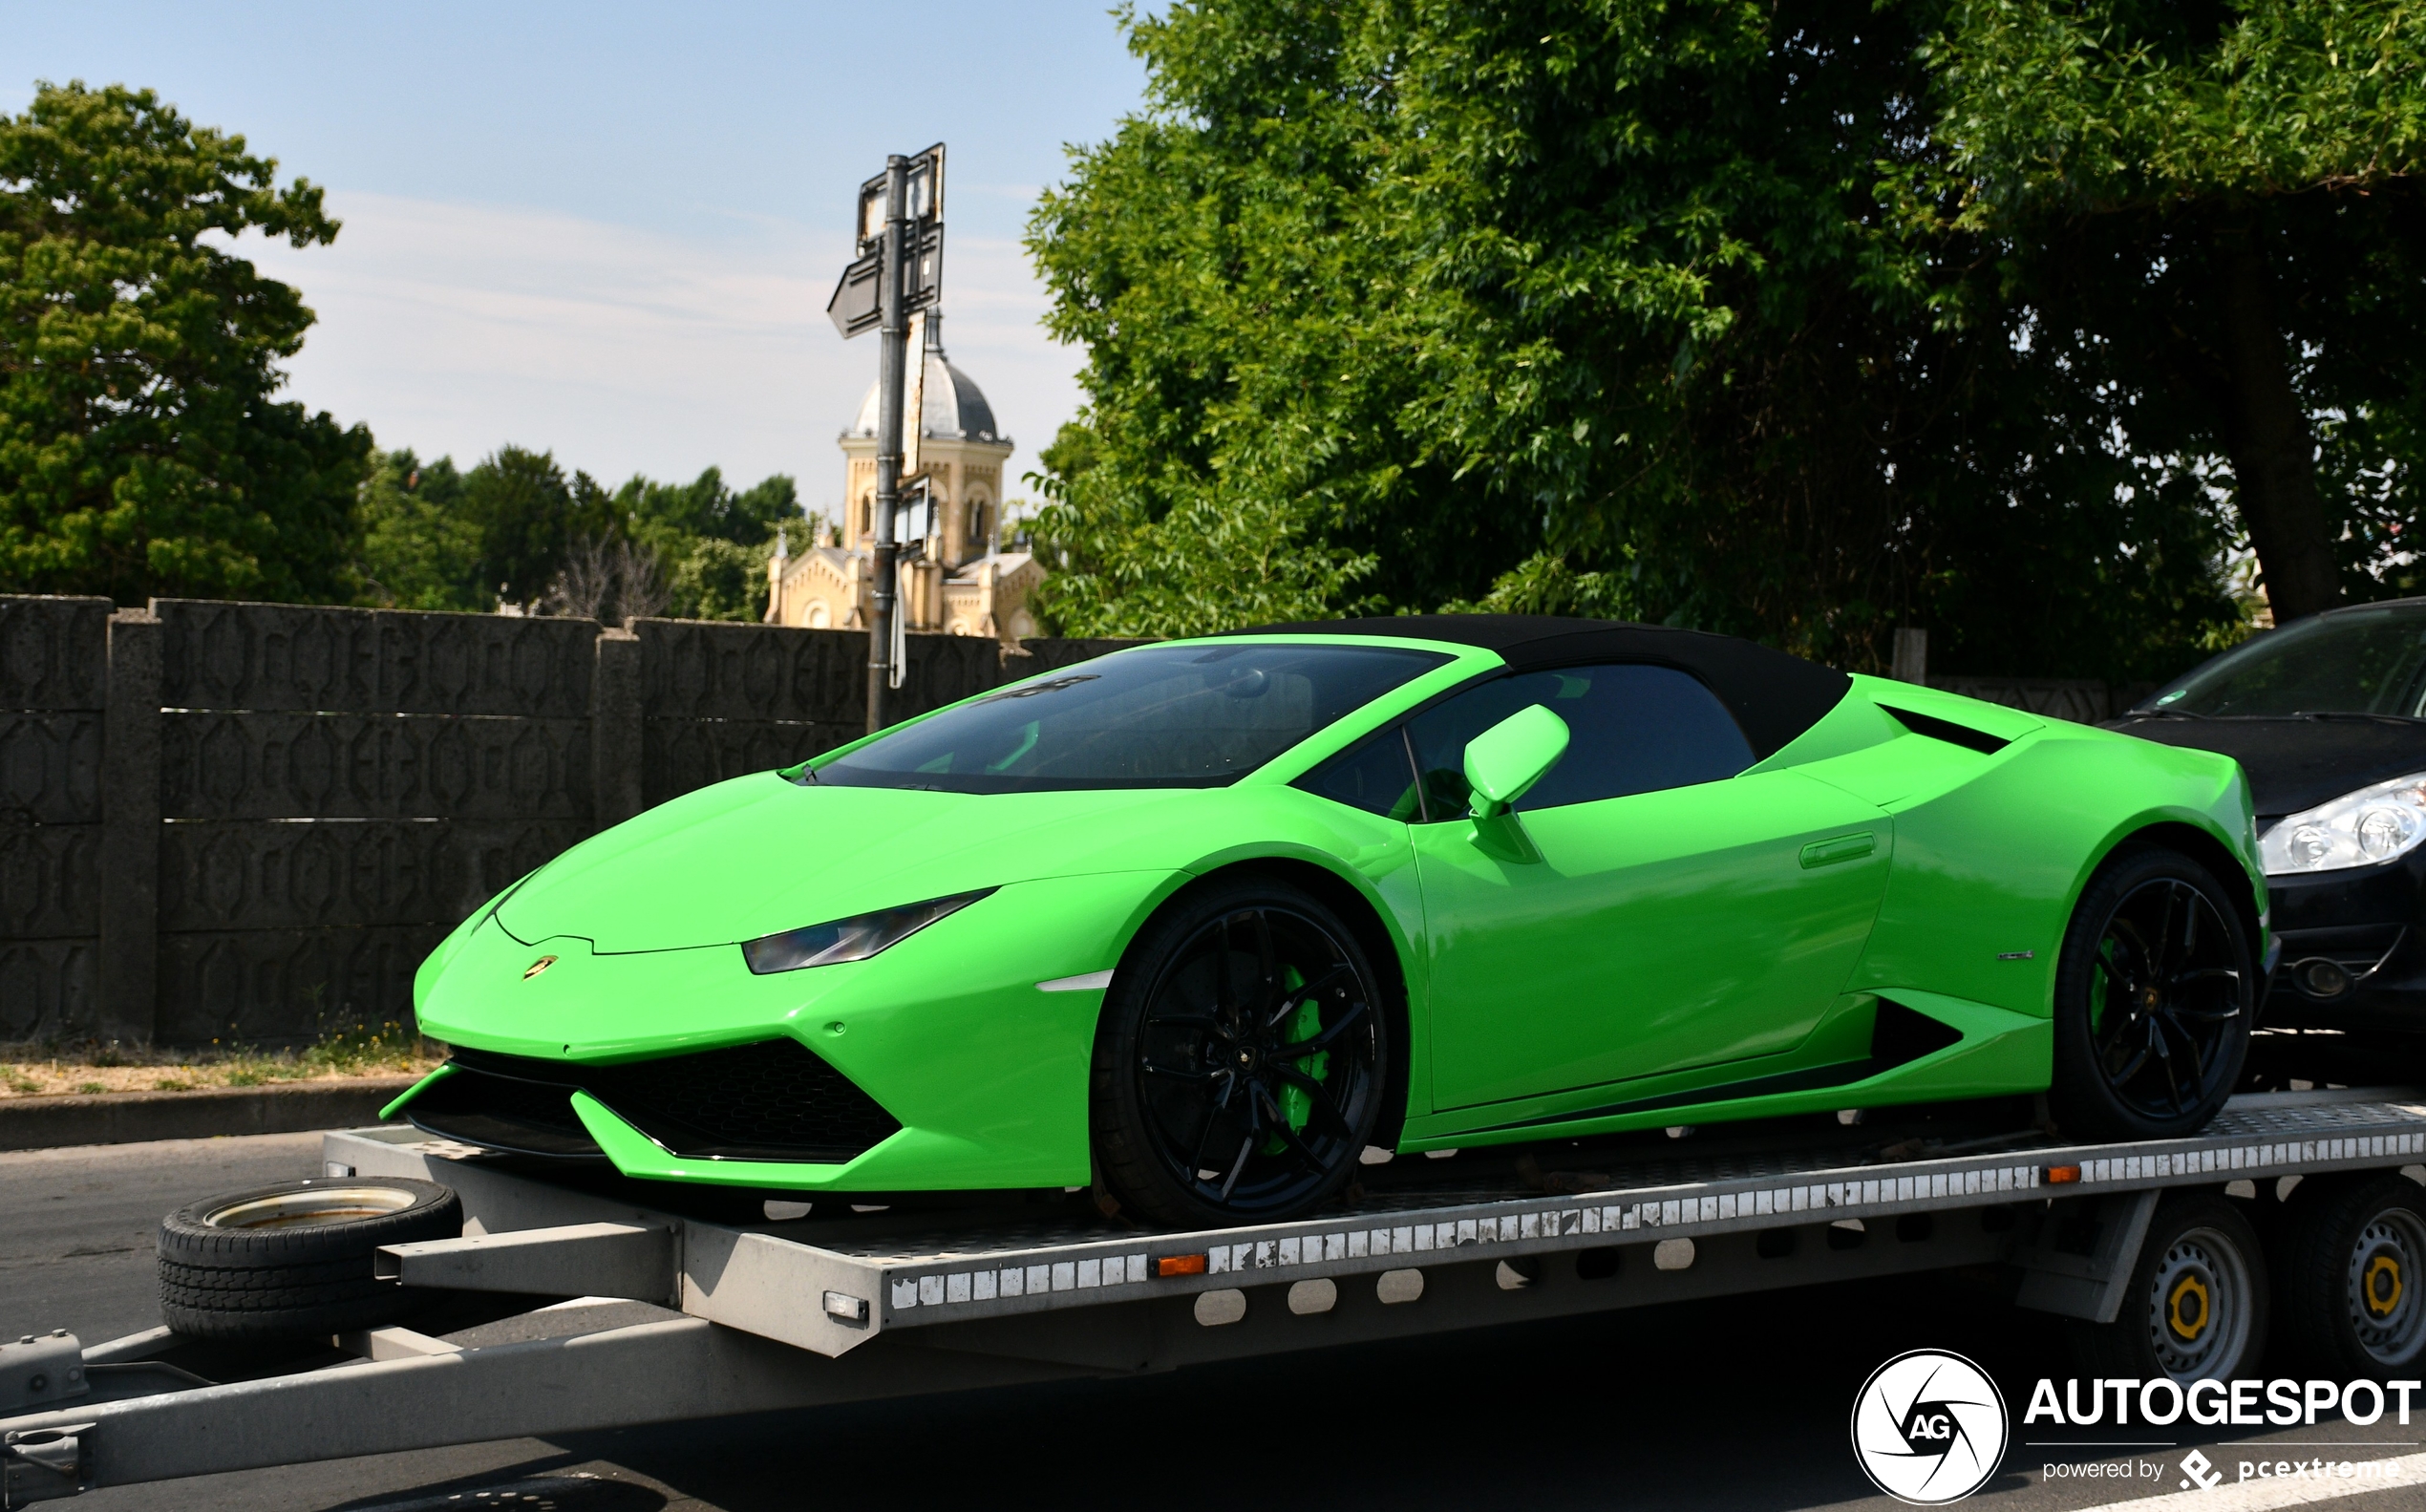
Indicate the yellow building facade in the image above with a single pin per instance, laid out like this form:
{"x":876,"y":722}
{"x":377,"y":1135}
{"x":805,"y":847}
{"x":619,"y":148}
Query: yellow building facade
{"x":956,"y":579}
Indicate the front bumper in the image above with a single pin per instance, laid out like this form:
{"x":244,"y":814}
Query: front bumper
{"x":2354,"y":956}
{"x":980,"y":1076}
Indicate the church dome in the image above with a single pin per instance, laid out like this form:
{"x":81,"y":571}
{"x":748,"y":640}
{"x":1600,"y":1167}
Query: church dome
{"x":954,"y":410}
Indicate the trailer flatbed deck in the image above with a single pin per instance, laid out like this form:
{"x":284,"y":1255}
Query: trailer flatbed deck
{"x":820,"y":1309}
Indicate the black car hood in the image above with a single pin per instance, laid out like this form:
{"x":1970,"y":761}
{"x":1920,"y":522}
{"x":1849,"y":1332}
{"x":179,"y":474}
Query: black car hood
{"x":2296,"y":763}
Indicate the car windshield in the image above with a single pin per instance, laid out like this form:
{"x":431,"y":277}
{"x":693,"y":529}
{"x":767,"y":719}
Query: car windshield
{"x":1193,"y":715}
{"x":2353,"y":661}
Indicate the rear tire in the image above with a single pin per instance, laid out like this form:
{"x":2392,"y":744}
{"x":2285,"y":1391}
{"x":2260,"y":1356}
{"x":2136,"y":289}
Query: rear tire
{"x":2196,"y":1305}
{"x":2155,"y":992}
{"x":292,"y":1261}
{"x":2350,"y":1276}
{"x":1241,"y":1061}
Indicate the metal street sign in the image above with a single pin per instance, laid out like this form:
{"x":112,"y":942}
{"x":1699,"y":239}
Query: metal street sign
{"x":914,"y":395}
{"x":922,"y":198}
{"x":923,"y":268}
{"x":856,"y":307}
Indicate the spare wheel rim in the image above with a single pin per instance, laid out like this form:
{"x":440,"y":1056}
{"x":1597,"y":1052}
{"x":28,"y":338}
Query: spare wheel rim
{"x":313,"y":1208}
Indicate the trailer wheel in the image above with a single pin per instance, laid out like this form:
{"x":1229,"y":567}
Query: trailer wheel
{"x":293,"y":1259}
{"x":2196,"y":1306}
{"x":2351,"y":1282}
{"x":1242,"y":1059}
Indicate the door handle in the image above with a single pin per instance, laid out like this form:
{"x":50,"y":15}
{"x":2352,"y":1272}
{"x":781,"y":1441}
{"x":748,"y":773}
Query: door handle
{"x":1842,"y":847}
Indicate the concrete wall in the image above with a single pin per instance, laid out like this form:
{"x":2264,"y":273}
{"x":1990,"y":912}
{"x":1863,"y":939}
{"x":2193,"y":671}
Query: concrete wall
{"x":250,"y":821}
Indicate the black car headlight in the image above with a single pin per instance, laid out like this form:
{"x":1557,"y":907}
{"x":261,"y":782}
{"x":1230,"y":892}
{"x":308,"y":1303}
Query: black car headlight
{"x":2374,"y":824}
{"x":853,"y":939}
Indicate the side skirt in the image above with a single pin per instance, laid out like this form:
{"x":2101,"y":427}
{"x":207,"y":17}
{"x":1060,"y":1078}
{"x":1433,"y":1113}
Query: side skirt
{"x":1965,"y":1049}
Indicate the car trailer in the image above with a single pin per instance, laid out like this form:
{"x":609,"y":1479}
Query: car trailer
{"x":809,"y":1311}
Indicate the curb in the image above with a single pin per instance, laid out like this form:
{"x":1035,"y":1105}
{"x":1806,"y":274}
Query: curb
{"x":136,"y":1117}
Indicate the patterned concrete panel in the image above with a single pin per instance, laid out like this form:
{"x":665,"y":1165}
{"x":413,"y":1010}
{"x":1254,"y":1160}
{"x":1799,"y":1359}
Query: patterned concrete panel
{"x":286,"y":986}
{"x":273,"y":656}
{"x":47,"y":988}
{"x":254,"y":874}
{"x":275,"y":765}
{"x":50,"y":652}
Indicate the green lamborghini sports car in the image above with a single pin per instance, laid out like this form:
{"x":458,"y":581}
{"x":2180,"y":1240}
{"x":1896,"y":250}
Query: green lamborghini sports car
{"x":1204,"y":922}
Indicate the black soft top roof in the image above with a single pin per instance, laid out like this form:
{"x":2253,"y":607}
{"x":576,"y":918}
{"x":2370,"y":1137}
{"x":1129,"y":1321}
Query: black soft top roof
{"x":1774,"y":696}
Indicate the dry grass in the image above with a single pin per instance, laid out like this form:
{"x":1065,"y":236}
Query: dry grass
{"x":36,"y":1071}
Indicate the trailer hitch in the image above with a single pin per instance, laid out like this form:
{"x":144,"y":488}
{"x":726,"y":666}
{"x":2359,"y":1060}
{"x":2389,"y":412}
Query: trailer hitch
{"x":42,"y":1464}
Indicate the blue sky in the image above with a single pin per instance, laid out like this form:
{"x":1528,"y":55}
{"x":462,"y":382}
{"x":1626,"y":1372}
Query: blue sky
{"x":611,"y":229}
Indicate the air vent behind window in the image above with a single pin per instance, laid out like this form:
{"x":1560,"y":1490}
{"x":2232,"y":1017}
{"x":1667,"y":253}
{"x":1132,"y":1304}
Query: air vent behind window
{"x":1946,"y":730}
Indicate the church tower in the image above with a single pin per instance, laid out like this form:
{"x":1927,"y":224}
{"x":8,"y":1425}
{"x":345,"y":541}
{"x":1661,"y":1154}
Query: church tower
{"x":955,"y":577}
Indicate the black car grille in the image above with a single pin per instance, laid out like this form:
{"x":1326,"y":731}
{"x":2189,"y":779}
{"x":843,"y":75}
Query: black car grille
{"x":773,"y":1101}
{"x":504,"y":1113}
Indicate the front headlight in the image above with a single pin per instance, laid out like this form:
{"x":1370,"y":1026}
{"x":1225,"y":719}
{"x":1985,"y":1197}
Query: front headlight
{"x":2357,"y":829}
{"x":849,"y":939}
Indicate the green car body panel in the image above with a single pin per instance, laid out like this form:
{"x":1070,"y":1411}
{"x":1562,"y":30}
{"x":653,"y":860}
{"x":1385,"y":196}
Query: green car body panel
{"x":1694,"y":954}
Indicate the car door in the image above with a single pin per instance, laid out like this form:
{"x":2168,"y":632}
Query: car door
{"x":1648,"y":907}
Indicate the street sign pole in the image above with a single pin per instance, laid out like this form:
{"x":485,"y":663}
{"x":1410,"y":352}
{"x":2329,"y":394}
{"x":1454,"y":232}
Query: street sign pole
{"x":892,"y":351}
{"x":897,"y":268}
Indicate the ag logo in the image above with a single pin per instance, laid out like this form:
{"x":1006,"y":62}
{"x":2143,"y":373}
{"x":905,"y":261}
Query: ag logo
{"x":539,"y":966}
{"x":1928,"y":1427}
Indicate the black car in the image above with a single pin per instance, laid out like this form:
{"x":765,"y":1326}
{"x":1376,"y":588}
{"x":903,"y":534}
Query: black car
{"x":2327,"y":717}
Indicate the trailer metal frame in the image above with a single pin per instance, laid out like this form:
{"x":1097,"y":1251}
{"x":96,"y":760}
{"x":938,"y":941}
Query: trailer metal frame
{"x":779,"y":1315}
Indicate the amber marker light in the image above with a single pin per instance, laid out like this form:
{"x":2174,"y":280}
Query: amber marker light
{"x":1179,"y":1265}
{"x":2062,"y":1175}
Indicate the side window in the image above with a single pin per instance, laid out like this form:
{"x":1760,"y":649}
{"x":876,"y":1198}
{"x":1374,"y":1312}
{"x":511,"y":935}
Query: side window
{"x":1632,"y":728}
{"x":1375,"y":776}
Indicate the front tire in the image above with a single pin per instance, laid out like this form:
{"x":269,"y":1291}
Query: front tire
{"x":1241,"y":1061}
{"x":2154,"y":996}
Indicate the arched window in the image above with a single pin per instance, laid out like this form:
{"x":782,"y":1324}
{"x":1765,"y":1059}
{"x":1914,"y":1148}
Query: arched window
{"x":976,"y":518}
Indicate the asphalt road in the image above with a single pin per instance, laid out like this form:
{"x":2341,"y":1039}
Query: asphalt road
{"x":1741,"y":1403}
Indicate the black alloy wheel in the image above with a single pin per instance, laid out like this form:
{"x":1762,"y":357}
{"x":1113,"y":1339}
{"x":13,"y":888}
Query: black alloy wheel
{"x":1241,"y":1066}
{"x":2154,"y":1001}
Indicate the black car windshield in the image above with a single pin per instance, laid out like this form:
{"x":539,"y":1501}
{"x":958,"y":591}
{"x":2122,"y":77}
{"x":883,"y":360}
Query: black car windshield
{"x":1193,"y":715}
{"x":2366,"y":661}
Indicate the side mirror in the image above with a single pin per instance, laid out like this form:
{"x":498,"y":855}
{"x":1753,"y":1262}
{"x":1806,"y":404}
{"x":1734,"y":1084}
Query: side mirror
{"x":1504,"y":761}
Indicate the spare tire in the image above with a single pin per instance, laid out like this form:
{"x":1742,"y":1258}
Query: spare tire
{"x":292,"y":1261}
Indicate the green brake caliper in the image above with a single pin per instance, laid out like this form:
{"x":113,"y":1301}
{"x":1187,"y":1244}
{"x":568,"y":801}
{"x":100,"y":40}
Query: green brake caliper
{"x":1297,"y":1105}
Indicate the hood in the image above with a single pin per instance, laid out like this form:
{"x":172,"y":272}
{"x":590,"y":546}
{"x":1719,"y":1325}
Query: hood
{"x":757,"y":853}
{"x":2297,"y":763}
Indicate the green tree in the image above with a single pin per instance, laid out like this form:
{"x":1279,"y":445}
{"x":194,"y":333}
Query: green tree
{"x":527,"y":513}
{"x":142,"y":448}
{"x":2225,"y":195}
{"x":705,"y":507}
{"x":1666,"y":311}
{"x":418,"y":548}
{"x":709,"y":543}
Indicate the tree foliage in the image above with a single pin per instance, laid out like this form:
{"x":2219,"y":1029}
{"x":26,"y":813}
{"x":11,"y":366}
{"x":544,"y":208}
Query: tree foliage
{"x":418,"y":549}
{"x":517,"y":530}
{"x":142,"y":448}
{"x":2222,"y":196}
{"x":1730,"y":313}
